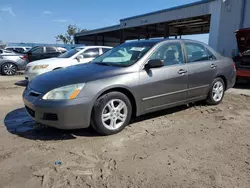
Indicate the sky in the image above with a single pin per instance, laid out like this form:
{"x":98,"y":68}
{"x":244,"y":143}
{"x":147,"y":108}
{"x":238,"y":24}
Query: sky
{"x":35,"y":21}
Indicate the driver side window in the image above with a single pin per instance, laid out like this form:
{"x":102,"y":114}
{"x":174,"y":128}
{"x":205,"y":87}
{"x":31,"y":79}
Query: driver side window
{"x":37,"y":50}
{"x":169,"y":53}
{"x":91,"y":53}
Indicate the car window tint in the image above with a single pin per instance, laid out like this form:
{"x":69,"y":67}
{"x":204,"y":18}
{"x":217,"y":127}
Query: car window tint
{"x":197,"y":52}
{"x":210,"y":55}
{"x":50,"y":49}
{"x":9,"y":49}
{"x":91,"y":53}
{"x":37,"y":50}
{"x":105,"y":50}
{"x":19,"y":49}
{"x":170,"y":54}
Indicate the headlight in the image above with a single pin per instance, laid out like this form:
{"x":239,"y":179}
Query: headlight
{"x":40,"y":67}
{"x":62,"y":93}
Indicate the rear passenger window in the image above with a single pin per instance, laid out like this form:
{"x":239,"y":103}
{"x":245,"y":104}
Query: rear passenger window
{"x":169,"y":53}
{"x":19,"y":49}
{"x":197,"y":52}
{"x":50,"y":49}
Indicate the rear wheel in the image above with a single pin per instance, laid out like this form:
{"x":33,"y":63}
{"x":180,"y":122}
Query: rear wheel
{"x":216,"y":92}
{"x":111,"y":113}
{"x":9,"y":69}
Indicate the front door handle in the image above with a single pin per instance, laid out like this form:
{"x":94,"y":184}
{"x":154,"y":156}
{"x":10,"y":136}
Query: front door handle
{"x":213,"y":66}
{"x":182,"y":71}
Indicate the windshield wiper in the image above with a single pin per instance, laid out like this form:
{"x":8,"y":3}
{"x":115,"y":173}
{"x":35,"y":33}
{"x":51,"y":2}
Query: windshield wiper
{"x":102,"y":63}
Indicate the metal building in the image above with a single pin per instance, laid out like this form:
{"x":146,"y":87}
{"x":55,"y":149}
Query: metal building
{"x":219,"y":18}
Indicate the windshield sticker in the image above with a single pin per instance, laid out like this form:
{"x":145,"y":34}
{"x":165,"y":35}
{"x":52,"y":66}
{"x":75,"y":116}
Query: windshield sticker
{"x":137,"y":49}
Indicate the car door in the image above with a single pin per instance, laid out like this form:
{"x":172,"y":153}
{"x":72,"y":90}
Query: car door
{"x":36,"y":53}
{"x":89,"y":55}
{"x":202,"y":69}
{"x":165,"y":86}
{"x":51,"y":52}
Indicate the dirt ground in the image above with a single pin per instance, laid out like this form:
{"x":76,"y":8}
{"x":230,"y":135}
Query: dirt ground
{"x":189,"y":147}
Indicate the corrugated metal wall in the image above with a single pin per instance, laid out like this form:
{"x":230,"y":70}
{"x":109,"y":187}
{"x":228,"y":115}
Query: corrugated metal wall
{"x":247,"y":14}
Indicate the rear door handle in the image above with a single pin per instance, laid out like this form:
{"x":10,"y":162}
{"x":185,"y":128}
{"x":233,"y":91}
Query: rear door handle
{"x":182,"y":71}
{"x":213,"y":66}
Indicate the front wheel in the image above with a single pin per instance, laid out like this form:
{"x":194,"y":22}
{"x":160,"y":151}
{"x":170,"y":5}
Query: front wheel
{"x":9,"y":69}
{"x":111,"y":113}
{"x":216,"y":92}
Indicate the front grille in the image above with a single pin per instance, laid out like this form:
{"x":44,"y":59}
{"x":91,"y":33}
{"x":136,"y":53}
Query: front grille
{"x":30,"y":111}
{"x":50,"y":117}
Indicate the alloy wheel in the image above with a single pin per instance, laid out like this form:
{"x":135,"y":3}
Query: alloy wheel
{"x":9,"y":69}
{"x":114,"y":114}
{"x":218,"y":90}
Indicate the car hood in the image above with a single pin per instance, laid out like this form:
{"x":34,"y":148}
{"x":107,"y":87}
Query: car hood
{"x":81,"y":73}
{"x":49,"y":61}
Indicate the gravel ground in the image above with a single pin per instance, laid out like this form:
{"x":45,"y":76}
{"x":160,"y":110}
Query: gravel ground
{"x":190,"y":146}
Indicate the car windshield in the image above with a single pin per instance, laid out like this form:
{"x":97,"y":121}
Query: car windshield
{"x":70,"y":53}
{"x":125,"y":54}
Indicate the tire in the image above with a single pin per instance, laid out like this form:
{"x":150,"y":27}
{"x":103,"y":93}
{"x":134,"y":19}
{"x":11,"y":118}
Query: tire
{"x":9,"y":69}
{"x":216,"y":92}
{"x":107,"y":119}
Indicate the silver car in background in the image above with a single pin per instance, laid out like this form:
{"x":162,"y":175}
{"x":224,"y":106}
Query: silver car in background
{"x":18,"y":49}
{"x":132,"y":79}
{"x":11,"y":62}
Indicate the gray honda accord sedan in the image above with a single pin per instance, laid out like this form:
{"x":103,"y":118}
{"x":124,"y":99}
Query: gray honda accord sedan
{"x":131,"y":79}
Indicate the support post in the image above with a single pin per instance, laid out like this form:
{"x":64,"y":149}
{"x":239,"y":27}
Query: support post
{"x":95,"y":39}
{"x":121,"y":36}
{"x":166,"y":30}
{"x":147,"y":34}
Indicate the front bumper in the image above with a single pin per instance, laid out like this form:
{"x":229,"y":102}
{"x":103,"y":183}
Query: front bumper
{"x":30,"y":74}
{"x":63,"y":114}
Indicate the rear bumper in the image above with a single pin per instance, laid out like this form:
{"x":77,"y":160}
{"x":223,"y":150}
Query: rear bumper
{"x":65,"y":114}
{"x":243,"y":73}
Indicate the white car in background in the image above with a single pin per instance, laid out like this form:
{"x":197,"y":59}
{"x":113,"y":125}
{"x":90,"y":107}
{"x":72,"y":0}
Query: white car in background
{"x":18,"y":49}
{"x":75,"y":56}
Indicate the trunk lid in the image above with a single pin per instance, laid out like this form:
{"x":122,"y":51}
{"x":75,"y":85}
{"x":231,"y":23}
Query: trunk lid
{"x":243,"y":41}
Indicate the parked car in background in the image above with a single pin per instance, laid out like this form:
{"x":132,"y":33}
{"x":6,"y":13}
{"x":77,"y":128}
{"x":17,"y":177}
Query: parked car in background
{"x":18,"y":49}
{"x":9,"y":66}
{"x":242,"y":60}
{"x":44,"y":52}
{"x":144,"y":76}
{"x":72,"y":57}
{"x":6,"y":52}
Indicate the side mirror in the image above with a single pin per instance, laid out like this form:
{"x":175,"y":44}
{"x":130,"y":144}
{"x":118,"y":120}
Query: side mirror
{"x":79,"y":57}
{"x":154,"y":63}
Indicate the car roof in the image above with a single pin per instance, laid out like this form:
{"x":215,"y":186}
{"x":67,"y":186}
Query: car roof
{"x":163,"y":40}
{"x":95,"y":47}
{"x":17,"y":47}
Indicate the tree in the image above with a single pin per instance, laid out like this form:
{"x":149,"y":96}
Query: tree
{"x":68,"y":37}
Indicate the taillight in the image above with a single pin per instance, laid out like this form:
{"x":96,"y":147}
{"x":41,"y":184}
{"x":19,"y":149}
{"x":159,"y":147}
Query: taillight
{"x":234,"y":66}
{"x":24,"y":57}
